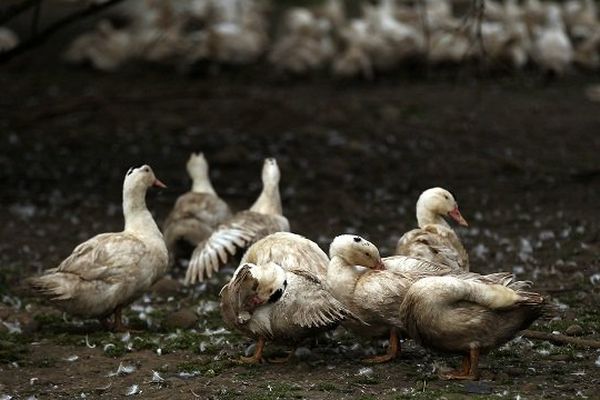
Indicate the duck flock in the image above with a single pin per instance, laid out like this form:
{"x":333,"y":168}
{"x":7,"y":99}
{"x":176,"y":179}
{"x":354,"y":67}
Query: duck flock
{"x":286,"y":289}
{"x":375,"y":38}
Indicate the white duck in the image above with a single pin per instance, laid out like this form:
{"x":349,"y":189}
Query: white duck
{"x":111,"y":270}
{"x":435,"y":240}
{"x":197,"y":213}
{"x":8,"y":39}
{"x":468,"y":316}
{"x":372,"y":288}
{"x":244,"y":228}
{"x":106,"y":48}
{"x":278,"y":293}
{"x":552,"y":49}
{"x":305,"y":45}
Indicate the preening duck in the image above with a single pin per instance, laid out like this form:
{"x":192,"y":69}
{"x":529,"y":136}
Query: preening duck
{"x":278,"y":293}
{"x":111,"y":270}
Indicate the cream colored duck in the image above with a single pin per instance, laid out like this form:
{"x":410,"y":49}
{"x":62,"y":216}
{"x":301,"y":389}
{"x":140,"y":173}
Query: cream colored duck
{"x":105,"y":49}
{"x":244,"y":228}
{"x":305,"y":45}
{"x":278,"y":293}
{"x":196,"y":213}
{"x":111,"y":270}
{"x":8,"y":39}
{"x":468,"y":316}
{"x":372,"y":288}
{"x":552,"y":48}
{"x":435,"y":240}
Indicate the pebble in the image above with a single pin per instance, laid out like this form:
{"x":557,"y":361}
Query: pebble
{"x":574,"y":330}
{"x":182,"y":319}
{"x":166,"y":287}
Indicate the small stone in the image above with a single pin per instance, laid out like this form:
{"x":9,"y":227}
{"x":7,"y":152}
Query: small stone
{"x":478,"y":388}
{"x":166,"y":287}
{"x":501,"y":377}
{"x":574,"y":330}
{"x":28,"y":323}
{"x":183,"y":319}
{"x":560,"y":357}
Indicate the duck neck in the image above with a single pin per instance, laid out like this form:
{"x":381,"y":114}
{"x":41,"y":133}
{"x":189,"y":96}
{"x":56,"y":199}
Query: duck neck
{"x":137,"y":217}
{"x":202,"y":185}
{"x":427,"y":217}
{"x":269,"y":201}
{"x":341,"y":278}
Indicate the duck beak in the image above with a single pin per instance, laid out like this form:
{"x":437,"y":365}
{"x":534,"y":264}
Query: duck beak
{"x":159,"y":184}
{"x":379,"y":266}
{"x":455,"y":215}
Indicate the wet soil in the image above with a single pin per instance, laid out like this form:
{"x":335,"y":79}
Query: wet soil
{"x":521,"y":156}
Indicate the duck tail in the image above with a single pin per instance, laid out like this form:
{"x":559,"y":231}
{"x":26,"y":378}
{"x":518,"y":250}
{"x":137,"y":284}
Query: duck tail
{"x":56,"y":286}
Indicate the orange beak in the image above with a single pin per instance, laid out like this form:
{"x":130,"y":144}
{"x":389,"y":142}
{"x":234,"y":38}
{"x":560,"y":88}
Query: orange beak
{"x":159,"y":184}
{"x":379,"y":266}
{"x":455,"y":215}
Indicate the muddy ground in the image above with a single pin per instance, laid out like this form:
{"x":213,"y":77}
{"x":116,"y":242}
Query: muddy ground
{"x":520,"y":154}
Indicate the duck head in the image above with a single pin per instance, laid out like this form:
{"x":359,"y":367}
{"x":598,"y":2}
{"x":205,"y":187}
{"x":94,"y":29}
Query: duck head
{"x":270,"y":172}
{"x":436,"y":203}
{"x":269,"y":284}
{"x":355,"y":250}
{"x":141,"y":177}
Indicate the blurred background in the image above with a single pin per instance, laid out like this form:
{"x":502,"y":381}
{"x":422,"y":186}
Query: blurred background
{"x":364,"y":104}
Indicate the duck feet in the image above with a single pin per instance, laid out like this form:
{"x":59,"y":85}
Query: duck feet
{"x":392,"y":351}
{"x":282,"y":360}
{"x":256,"y":358}
{"x":470,"y":368}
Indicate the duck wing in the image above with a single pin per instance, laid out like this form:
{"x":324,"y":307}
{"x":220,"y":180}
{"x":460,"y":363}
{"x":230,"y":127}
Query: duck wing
{"x":241,"y":231}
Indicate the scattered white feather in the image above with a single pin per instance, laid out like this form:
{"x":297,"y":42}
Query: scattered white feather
{"x":123,"y":370}
{"x":133,"y":390}
{"x":72,"y":358}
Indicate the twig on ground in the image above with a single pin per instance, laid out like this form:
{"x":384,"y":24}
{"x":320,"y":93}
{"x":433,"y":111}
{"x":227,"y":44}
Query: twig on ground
{"x":561,"y":339}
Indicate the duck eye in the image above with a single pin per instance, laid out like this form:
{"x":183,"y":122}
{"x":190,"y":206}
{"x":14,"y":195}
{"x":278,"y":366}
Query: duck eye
{"x":446,"y":197}
{"x":146,"y":169}
{"x":367,"y":254}
{"x":357,"y":239}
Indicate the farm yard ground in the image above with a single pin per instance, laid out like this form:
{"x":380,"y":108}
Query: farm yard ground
{"x":520,"y":154}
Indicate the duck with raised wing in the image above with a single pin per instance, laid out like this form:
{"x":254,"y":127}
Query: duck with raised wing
{"x":468,"y":316}
{"x":244,"y":228}
{"x":197,"y":213}
{"x":111,"y":270}
{"x":435,"y":240}
{"x":278,"y":293}
{"x":373,"y":288}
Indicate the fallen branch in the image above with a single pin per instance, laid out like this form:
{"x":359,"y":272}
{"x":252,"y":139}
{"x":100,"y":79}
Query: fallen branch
{"x":55,"y":27}
{"x":561,"y":339}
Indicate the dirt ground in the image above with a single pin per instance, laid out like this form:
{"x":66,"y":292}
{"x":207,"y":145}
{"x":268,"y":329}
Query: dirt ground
{"x":520,"y":154}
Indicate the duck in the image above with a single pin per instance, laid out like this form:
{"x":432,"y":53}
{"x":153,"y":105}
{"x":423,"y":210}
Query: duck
{"x":197,"y":213}
{"x":468,"y":316}
{"x":8,"y":39}
{"x":106,"y":49}
{"x":552,"y":48}
{"x":306,"y":43}
{"x":373,"y":288}
{"x":279,"y":293}
{"x":111,"y":270}
{"x":242,"y":229}
{"x":434,"y":239}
